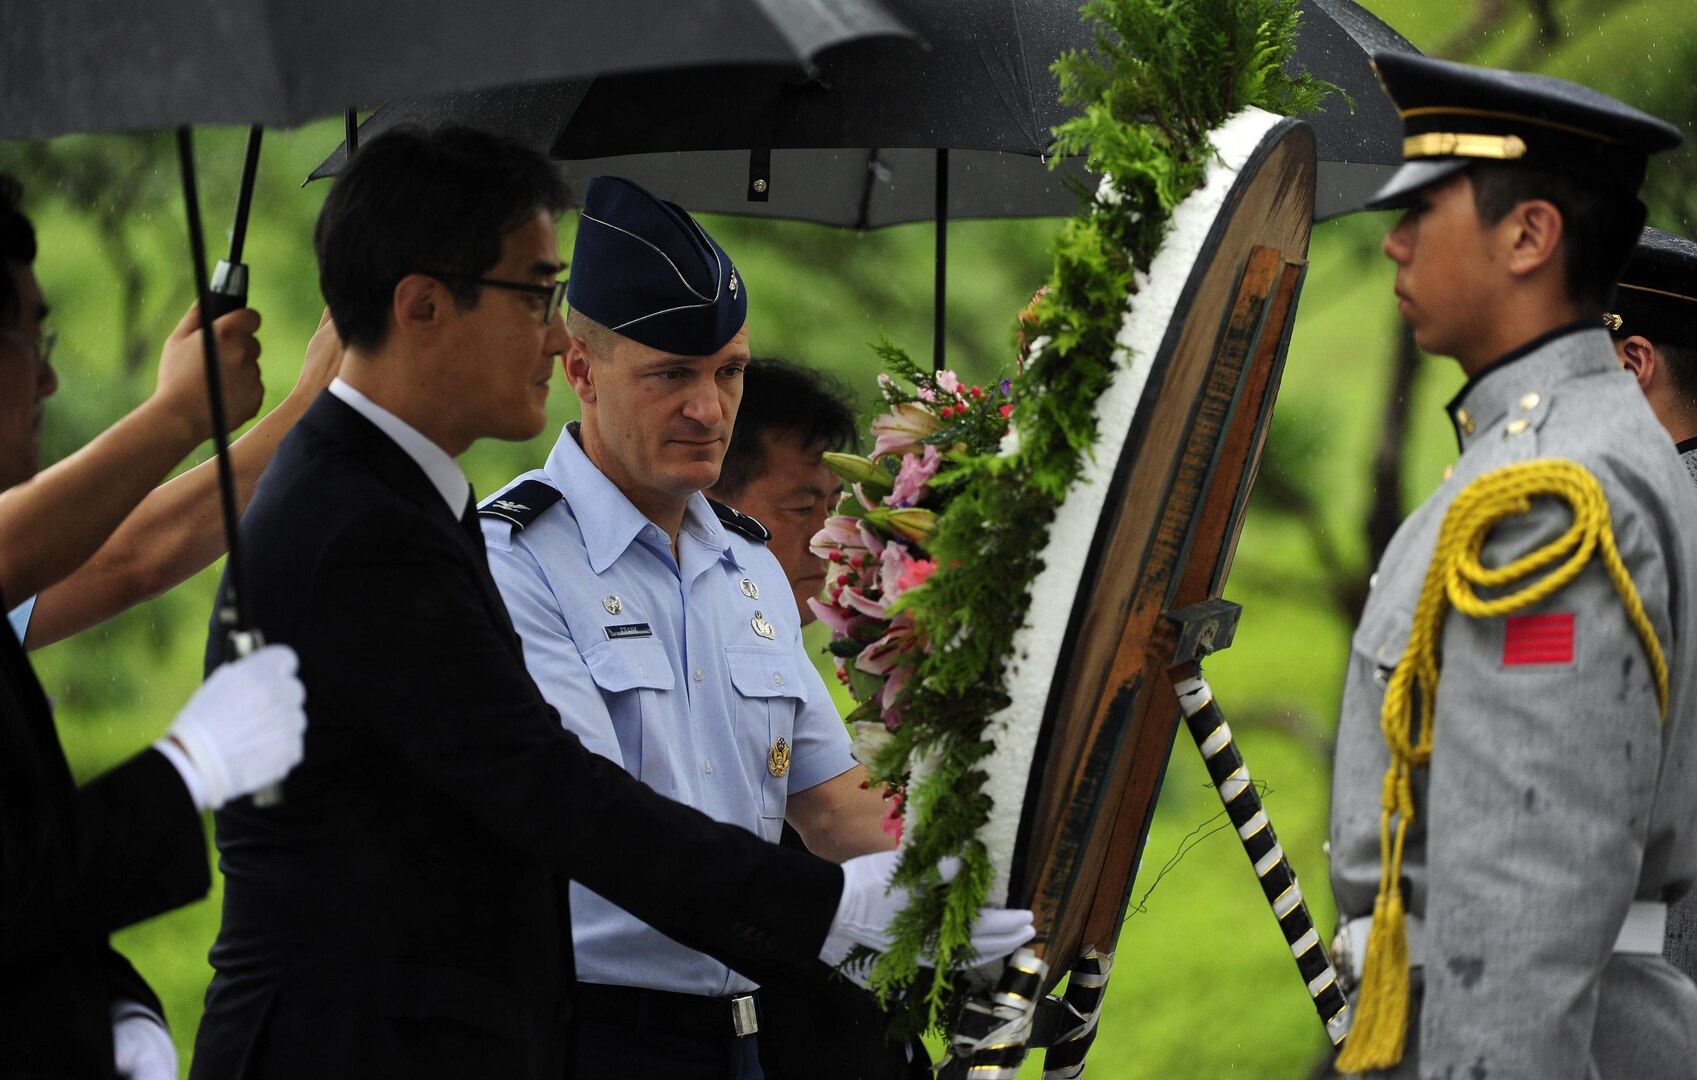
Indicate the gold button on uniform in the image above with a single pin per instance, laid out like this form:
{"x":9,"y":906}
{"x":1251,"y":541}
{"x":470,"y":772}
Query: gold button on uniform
{"x":1515,"y":427}
{"x":1465,"y":419}
{"x":1530,"y":400}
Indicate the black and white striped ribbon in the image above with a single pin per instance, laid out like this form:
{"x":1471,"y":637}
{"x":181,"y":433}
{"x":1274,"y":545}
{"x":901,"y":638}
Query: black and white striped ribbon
{"x":993,"y":1034}
{"x":1278,"y":880}
{"x":1086,"y":987}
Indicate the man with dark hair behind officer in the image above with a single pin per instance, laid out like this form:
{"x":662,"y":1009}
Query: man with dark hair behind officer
{"x":1653,"y":322}
{"x":1515,"y":791}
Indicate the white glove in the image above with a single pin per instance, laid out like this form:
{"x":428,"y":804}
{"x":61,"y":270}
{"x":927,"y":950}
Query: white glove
{"x":141,"y":1045}
{"x":243,"y":729}
{"x":868,"y":906}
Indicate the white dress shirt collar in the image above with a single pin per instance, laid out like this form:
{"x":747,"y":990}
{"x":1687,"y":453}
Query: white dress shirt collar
{"x":442,"y":471}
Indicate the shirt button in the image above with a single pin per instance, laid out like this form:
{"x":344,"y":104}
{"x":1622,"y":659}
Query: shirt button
{"x":699,"y":674}
{"x":707,"y":766}
{"x":640,"y":670}
{"x":777,"y":679}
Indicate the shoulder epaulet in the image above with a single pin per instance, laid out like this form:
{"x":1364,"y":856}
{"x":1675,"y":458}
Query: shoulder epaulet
{"x":739,"y":522}
{"x":521,"y":504}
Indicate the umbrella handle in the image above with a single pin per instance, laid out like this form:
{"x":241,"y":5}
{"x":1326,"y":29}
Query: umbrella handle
{"x":237,"y":644}
{"x":228,"y":291}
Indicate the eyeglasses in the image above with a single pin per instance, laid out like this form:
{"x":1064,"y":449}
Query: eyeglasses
{"x":556,"y":293}
{"x":43,"y":342}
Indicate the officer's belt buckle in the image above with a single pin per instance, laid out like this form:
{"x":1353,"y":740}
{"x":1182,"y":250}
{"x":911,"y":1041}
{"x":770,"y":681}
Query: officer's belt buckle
{"x":745,"y":1020}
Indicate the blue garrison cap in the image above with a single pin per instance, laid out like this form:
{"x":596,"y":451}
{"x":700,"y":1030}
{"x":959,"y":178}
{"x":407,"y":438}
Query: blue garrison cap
{"x":1455,"y":114}
{"x":644,"y":268}
{"x":1657,"y":294}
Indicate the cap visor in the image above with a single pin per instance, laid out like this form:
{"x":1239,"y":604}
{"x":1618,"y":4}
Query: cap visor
{"x":1401,"y":188}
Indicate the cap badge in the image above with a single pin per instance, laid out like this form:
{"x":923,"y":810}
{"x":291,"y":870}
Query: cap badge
{"x":762,"y":627}
{"x":749,"y":589}
{"x":613,"y":604}
{"x":778,"y":758}
{"x":1613,"y":321}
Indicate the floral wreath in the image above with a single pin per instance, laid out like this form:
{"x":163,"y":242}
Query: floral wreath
{"x":941,"y":530}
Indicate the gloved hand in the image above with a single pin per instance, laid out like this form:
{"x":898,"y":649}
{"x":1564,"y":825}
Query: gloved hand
{"x":141,"y":1046}
{"x":244,"y":728}
{"x":868,"y":905}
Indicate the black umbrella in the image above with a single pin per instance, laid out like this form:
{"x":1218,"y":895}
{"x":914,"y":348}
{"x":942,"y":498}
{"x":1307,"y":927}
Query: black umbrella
{"x":878,"y":136}
{"x":107,"y":65}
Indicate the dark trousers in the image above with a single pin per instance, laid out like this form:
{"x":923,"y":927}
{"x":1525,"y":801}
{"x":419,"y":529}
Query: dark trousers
{"x":616,"y":1041}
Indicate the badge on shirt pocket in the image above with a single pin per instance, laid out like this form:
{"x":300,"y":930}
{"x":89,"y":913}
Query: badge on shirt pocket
{"x":769,"y":693}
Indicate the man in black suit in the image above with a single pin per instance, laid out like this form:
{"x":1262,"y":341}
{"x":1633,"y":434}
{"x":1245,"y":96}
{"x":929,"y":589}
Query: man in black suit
{"x":403,"y":912}
{"x":79,"y":863}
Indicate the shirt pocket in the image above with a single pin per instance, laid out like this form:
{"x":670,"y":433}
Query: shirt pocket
{"x":632,"y":675}
{"x":769,"y":692}
{"x":1378,"y":646}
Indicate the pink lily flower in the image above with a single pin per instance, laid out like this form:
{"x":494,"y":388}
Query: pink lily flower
{"x":899,"y":430}
{"x":916,"y":471}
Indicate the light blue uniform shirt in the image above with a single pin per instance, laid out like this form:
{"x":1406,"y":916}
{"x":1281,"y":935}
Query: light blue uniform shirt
{"x":660,"y":668}
{"x":19,"y":618}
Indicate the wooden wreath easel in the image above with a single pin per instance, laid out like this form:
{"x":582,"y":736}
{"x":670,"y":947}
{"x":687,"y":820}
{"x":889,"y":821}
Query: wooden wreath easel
{"x":1164,"y":542}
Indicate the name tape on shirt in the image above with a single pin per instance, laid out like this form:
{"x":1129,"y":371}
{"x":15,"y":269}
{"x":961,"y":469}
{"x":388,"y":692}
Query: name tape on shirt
{"x":625,"y":630}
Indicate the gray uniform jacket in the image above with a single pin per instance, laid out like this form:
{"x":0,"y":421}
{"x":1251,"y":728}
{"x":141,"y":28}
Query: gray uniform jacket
{"x":1556,"y":795}
{"x":1682,"y":917}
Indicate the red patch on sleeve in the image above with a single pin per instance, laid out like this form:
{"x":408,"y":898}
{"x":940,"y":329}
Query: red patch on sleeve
{"x":1538,"y":639}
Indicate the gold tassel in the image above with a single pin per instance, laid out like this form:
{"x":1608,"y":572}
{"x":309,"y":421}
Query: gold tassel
{"x":1377,"y":1036}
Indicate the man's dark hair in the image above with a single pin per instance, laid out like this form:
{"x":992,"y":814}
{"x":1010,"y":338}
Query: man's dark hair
{"x":783,"y":398}
{"x":1681,"y":362}
{"x":1682,"y":365}
{"x":17,"y":244}
{"x":1599,"y":223}
{"x":415,"y":201}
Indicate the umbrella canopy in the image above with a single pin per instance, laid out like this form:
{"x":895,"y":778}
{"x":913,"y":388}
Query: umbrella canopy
{"x":106,"y":65}
{"x":853,"y":144}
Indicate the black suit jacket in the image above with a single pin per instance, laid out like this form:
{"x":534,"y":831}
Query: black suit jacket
{"x":76,"y":864}
{"x":403,"y":912}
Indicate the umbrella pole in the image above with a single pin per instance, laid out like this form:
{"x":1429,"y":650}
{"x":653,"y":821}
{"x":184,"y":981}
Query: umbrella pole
{"x":938,"y":306}
{"x":231,"y":615}
{"x":350,"y":132}
{"x":229,"y":278}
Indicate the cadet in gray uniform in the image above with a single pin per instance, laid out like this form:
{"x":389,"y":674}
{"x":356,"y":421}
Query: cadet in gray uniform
{"x":1515,"y":794}
{"x":1653,"y":322}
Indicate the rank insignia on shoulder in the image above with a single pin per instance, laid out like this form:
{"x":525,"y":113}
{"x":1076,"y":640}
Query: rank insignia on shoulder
{"x":739,"y":522}
{"x":627,"y":630}
{"x":778,"y":758}
{"x":522,"y":503}
{"x":762,"y":627}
